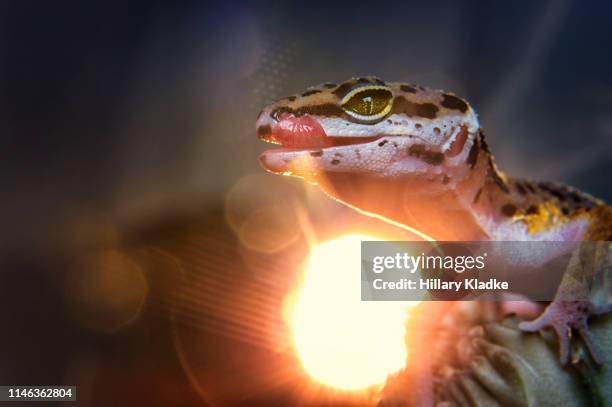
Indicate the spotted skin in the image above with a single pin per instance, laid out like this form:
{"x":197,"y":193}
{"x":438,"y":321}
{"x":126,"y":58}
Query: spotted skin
{"x":415,"y":114}
{"x":424,"y":162}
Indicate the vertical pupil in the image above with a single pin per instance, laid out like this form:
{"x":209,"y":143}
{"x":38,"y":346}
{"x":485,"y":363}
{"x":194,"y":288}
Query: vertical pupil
{"x":369,"y":102}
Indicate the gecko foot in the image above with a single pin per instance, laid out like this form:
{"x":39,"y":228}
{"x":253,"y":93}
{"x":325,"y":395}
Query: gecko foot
{"x":565,"y":316}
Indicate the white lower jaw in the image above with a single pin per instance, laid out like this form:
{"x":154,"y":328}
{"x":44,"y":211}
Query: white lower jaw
{"x":372,"y":156}
{"x":307,"y":159}
{"x":291,"y":161}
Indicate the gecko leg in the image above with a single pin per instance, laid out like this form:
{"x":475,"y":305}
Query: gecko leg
{"x":565,"y":316}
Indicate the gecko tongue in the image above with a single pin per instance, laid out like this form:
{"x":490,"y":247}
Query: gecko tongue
{"x":302,"y":131}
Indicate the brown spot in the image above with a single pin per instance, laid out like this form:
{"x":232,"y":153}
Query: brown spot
{"x":508,"y":210}
{"x":477,"y":196}
{"x":446,"y":179}
{"x":430,"y":157}
{"x":520,"y":188}
{"x":335,"y":161}
{"x":565,"y":211}
{"x":291,"y":98}
{"x":329,"y":85}
{"x":553,"y":190}
{"x":389,"y":121}
{"x":407,"y":88}
{"x":382,"y":143}
{"x":437,"y":130}
{"x":363,"y":80}
{"x":417,"y":125}
{"x":453,"y":102}
{"x":529,"y":187}
{"x":483,"y":142}
{"x":337,"y":154}
{"x":532,"y":210}
{"x":497,"y":178}
{"x":317,"y":153}
{"x":428,"y":110}
{"x":358,"y":154}
{"x":311,"y":92}
{"x":473,"y":154}
{"x":327,"y":109}
{"x":343,"y":89}
{"x":263,"y":131}
{"x":411,"y":109}
{"x":575,"y":196}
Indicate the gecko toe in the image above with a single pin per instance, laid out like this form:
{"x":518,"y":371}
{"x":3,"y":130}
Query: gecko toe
{"x":564,"y":334}
{"x":565,"y":316}
{"x":589,"y":341}
{"x":535,"y":325}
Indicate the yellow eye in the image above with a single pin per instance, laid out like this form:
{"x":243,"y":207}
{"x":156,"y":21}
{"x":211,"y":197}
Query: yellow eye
{"x":368,"y":103}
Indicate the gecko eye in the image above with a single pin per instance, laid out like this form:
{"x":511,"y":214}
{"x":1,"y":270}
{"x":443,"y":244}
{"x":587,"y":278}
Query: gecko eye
{"x":368,"y":104}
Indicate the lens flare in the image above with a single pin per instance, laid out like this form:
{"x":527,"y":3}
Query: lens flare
{"x":341,"y":341}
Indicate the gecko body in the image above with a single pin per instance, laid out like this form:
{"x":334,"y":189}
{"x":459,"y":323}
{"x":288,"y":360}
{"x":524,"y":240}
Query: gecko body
{"x":419,"y":157}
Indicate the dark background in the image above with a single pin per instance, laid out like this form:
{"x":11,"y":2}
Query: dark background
{"x":124,"y":125}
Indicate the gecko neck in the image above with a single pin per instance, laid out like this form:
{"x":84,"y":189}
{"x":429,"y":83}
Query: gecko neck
{"x":483,"y":204}
{"x":521,"y":210}
{"x":501,"y":208}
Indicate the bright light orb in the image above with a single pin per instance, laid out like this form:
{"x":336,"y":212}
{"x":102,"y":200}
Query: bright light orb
{"x":341,"y":341}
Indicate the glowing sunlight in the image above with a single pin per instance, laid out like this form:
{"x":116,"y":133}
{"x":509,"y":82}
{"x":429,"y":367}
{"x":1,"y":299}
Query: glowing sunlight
{"x":341,"y":341}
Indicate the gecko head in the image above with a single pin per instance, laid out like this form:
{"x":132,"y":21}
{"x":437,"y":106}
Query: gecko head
{"x":368,"y":128}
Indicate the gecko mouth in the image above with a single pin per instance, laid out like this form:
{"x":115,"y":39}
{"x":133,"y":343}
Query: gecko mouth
{"x":304,"y":132}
